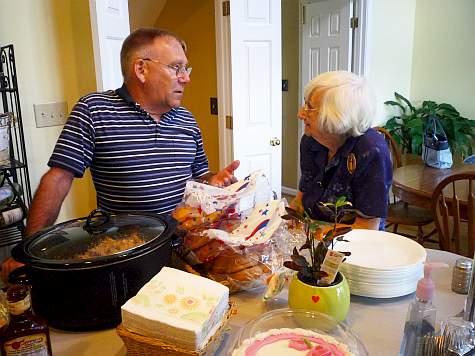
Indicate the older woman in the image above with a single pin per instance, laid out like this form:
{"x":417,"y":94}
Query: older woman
{"x":340,"y":155}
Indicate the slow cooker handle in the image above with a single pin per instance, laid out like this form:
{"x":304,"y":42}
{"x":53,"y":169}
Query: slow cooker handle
{"x":20,"y":275}
{"x":101,"y":217}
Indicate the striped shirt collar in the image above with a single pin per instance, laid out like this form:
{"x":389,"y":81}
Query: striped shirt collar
{"x":123,"y":92}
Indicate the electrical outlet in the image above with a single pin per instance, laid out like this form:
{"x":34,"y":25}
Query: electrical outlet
{"x":51,"y":114}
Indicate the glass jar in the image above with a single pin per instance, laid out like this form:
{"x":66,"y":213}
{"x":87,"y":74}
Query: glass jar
{"x":461,"y":275}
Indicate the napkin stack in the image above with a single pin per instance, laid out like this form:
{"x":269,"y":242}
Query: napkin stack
{"x":177,"y":307}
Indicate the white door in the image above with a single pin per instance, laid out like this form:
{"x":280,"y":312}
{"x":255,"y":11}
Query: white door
{"x":325,"y":43}
{"x":110,"y":26}
{"x":256,"y":74}
{"x":326,"y":38}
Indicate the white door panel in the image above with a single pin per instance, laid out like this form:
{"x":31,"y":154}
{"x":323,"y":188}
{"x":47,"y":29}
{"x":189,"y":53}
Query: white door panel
{"x":325,"y":38}
{"x":110,"y":26}
{"x":255,"y":27}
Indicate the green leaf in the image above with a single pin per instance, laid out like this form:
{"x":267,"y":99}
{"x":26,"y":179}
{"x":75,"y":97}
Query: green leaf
{"x":395,"y":103}
{"x":416,"y":145}
{"x":400,"y":97}
{"x":449,"y":108}
{"x":415,"y":124}
{"x":341,"y":201}
{"x":328,"y":236}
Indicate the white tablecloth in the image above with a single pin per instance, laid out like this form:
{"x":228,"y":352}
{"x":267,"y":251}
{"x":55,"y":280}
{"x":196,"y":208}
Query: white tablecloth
{"x":378,"y":322}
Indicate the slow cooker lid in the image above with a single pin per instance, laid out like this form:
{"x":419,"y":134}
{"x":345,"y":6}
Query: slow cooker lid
{"x":97,"y":236}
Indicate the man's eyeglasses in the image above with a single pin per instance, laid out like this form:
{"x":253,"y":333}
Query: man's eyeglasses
{"x":179,"y":70}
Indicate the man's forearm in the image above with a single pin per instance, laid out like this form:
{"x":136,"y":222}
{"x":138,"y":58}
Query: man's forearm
{"x":44,"y":210}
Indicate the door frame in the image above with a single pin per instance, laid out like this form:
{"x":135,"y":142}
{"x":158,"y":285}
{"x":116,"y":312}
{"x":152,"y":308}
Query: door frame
{"x":223,"y":69}
{"x":358,"y":61}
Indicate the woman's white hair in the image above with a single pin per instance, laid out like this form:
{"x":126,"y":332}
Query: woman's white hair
{"x":347,"y":103}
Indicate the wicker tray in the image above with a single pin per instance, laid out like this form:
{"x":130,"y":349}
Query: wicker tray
{"x":138,"y":345}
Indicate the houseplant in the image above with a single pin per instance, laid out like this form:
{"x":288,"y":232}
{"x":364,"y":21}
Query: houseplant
{"x":309,"y":288}
{"x":407,"y":128}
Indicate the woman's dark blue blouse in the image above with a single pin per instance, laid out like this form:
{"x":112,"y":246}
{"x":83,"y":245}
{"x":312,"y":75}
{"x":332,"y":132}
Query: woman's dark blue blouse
{"x":366,"y":186}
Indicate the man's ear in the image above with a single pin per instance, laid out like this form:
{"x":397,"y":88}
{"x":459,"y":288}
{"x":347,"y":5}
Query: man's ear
{"x":140,"y":70}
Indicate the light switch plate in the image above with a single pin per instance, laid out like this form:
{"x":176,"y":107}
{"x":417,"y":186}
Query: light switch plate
{"x":51,"y":114}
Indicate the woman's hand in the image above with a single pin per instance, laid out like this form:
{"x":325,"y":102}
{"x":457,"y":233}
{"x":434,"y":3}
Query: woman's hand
{"x":296,"y":203}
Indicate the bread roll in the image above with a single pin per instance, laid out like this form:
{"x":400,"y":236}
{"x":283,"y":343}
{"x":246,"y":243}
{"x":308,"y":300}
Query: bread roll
{"x":229,"y":261}
{"x":209,"y":251}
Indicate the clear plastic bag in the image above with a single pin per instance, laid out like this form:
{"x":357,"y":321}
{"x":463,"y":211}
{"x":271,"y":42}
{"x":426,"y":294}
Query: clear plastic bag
{"x":228,"y":236}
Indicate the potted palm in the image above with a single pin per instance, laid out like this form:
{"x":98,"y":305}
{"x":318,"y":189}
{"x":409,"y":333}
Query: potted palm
{"x":314,"y":287}
{"x":407,"y":126}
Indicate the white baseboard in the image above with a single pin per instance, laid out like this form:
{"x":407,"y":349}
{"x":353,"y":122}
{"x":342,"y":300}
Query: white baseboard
{"x":289,"y":191}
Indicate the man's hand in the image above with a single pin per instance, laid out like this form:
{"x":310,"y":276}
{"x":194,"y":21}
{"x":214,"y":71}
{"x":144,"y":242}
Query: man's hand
{"x":225,"y":176}
{"x":9,"y":265}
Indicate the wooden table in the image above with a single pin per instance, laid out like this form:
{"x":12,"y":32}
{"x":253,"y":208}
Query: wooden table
{"x":378,"y":322}
{"x":414,"y":183}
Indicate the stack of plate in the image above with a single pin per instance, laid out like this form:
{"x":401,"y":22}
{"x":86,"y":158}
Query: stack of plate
{"x":382,"y":264}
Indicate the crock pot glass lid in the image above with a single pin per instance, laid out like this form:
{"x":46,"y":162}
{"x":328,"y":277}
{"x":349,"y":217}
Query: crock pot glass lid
{"x":96,"y":236}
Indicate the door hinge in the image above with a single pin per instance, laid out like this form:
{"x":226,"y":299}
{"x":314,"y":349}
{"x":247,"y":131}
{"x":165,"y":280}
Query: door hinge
{"x":303,"y":15}
{"x":229,"y":122}
{"x":226,"y":8}
{"x":354,"y":22}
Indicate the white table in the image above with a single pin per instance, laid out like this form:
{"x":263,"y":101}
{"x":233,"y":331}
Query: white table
{"x":378,"y":322}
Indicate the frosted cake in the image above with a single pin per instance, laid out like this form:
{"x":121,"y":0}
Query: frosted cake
{"x":177,"y":307}
{"x":290,"y":342}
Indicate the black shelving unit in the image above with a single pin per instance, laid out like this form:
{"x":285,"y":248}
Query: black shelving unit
{"x":16,"y":169}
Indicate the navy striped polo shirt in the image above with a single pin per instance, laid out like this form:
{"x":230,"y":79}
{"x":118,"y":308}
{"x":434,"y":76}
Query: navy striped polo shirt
{"x":136,"y":163}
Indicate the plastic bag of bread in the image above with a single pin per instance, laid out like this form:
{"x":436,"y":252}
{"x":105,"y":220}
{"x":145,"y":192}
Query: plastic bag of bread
{"x":204,"y":204}
{"x":239,"y":252}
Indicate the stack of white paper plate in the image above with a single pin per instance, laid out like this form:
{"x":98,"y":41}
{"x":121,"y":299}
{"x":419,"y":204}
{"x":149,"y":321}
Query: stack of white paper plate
{"x":382,"y":264}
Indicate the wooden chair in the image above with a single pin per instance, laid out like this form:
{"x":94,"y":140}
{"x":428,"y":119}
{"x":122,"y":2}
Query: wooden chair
{"x":453,"y":206}
{"x":400,"y":212}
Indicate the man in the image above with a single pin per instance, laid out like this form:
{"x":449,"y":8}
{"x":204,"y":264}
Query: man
{"x":139,"y":144}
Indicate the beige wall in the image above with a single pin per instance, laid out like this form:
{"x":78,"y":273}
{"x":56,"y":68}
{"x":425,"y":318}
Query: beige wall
{"x":290,"y":71}
{"x":54,"y":61}
{"x":444,"y":54}
{"x":390,"y":47}
{"x":194,"y":22}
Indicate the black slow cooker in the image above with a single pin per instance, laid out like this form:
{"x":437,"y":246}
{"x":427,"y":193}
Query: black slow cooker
{"x":82,"y":271}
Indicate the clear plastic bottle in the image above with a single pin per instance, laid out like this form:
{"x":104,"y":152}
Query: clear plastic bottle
{"x":421,"y":314}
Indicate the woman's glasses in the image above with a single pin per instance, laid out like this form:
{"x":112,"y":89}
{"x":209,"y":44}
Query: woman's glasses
{"x":308,"y":109}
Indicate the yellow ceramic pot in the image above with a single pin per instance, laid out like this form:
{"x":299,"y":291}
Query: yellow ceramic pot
{"x":332,"y":300}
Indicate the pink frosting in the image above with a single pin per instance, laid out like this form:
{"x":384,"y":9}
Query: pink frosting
{"x":322,"y":348}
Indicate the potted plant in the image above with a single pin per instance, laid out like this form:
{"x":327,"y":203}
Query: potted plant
{"x":407,"y":128}
{"x":309,"y":288}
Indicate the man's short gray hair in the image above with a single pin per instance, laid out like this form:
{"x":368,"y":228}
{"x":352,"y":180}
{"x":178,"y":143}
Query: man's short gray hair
{"x":347,"y":103}
{"x":137,"y":41}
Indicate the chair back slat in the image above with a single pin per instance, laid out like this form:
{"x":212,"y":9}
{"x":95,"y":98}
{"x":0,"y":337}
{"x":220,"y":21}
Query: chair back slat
{"x":393,"y":147}
{"x":453,"y":207}
{"x":456,"y":217}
